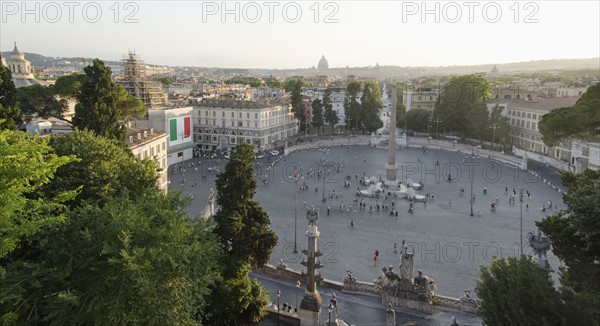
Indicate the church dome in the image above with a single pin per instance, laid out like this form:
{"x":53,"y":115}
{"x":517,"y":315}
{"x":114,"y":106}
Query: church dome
{"x":16,"y":54}
{"x":323,"y":64}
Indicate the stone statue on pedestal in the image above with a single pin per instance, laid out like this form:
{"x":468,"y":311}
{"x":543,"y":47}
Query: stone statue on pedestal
{"x":390,"y":316}
{"x":406,"y":265}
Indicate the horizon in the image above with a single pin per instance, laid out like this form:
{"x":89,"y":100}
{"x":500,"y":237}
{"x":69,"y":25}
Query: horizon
{"x":262,"y":35}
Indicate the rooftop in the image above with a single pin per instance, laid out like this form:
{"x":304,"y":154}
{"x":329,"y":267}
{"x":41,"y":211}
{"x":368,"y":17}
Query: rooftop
{"x":240,"y":104}
{"x":546,"y":104}
{"x":138,"y":136}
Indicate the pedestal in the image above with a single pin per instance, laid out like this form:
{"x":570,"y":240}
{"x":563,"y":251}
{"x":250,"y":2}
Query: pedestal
{"x":310,"y":309}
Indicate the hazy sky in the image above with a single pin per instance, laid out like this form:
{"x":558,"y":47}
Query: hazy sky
{"x":294,"y":34}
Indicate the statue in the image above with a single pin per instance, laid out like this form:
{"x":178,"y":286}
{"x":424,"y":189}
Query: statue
{"x":424,"y":285}
{"x":211,"y":200}
{"x":312,"y":214}
{"x":406,"y":264}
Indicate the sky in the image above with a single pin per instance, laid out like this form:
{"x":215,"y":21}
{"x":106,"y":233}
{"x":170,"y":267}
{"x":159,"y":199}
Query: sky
{"x":295,"y":34}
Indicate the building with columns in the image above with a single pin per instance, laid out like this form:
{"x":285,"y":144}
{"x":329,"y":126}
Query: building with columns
{"x":20,"y":69}
{"x":222,"y":124}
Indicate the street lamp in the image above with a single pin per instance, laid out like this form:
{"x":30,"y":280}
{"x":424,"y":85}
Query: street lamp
{"x":472,"y":177}
{"x":493,"y":127}
{"x":329,"y":310}
{"x":437,"y":132}
{"x":297,"y":288}
{"x":296,"y":177}
{"x":278,"y":312}
{"x":521,"y":200}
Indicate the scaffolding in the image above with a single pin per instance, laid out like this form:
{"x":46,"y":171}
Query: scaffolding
{"x":139,"y":85}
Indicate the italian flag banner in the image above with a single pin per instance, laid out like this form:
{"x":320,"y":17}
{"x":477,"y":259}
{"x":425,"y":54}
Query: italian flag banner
{"x":180,"y":130}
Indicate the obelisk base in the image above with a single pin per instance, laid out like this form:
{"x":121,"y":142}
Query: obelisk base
{"x":310,"y":309}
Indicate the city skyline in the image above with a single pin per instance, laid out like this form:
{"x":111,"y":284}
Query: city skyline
{"x":284,"y":35}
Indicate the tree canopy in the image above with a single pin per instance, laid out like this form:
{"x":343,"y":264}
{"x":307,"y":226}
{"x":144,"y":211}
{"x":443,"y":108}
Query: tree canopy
{"x":415,"y":119}
{"x":581,"y":120}
{"x":10,"y":113}
{"x":97,"y":108}
{"x":517,"y":292}
{"x":370,"y":103}
{"x":575,"y":236}
{"x":104,"y":168}
{"x":297,"y":105}
{"x":460,"y":97}
{"x":352,"y":106}
{"x":242,"y":228}
{"x":317,"y":114}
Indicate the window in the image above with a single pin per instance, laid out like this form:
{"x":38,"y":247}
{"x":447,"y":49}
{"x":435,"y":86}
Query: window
{"x":145,"y":153}
{"x":158,"y":148}
{"x":255,"y":124}
{"x":151,"y":151}
{"x":248,"y":115}
{"x":206,"y":113}
{"x":232,"y":114}
{"x":534,"y":126}
{"x":240,"y":123}
{"x":180,"y":154}
{"x":527,"y":125}
{"x":206,"y":122}
{"x":255,"y":115}
{"x":240,"y":115}
{"x":247,"y":124}
{"x":232,"y":123}
{"x":163,"y":146}
{"x":528,"y":115}
{"x":214,"y":113}
{"x":222,"y":114}
{"x":535,"y":116}
{"x":222,"y":123}
{"x":139,"y":156}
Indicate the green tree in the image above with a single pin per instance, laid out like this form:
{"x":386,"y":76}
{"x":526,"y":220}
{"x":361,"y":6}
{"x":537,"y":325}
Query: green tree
{"x":477,"y":121}
{"x":27,"y":163}
{"x":246,"y":241}
{"x":297,"y":105}
{"x":352,"y":106}
{"x":129,"y":106}
{"x":458,"y":98}
{"x":575,"y":236}
{"x":129,"y":261}
{"x":105,"y":168}
{"x":10,"y":113}
{"x":69,"y":86}
{"x":370,"y":103}
{"x":416,"y":119}
{"x":41,"y":101}
{"x":517,"y":292}
{"x":97,"y":108}
{"x":501,"y":125}
{"x":242,"y":224}
{"x":317,"y":114}
{"x":330,"y":115}
{"x":290,"y":84}
{"x":580,"y":120}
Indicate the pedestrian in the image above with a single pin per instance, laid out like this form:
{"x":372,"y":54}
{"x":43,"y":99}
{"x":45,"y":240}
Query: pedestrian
{"x":376,"y":256}
{"x":395,"y":247}
{"x":449,"y":202}
{"x":352,"y":223}
{"x":328,"y":210}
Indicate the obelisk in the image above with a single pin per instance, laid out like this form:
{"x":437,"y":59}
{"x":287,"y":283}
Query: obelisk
{"x":310,"y":306}
{"x":391,"y":170}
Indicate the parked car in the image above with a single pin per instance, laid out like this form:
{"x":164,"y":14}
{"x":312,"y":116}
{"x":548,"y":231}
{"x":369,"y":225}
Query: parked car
{"x":274,"y":152}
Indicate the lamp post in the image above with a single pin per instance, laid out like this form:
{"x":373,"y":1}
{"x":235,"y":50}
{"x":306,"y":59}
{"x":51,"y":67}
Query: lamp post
{"x":521,"y":200}
{"x":472,"y":177}
{"x":493,"y":127}
{"x":329,"y":311}
{"x":297,"y":288}
{"x":296,"y":176}
{"x":278,"y":312}
{"x":437,"y":132}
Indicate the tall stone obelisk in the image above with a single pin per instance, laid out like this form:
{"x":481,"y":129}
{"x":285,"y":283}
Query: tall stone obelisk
{"x":391,"y":170}
{"x":310,"y":307}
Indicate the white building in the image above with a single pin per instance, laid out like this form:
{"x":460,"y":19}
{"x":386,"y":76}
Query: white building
{"x":177,"y":123}
{"x":20,"y":69}
{"x":222,"y":124}
{"x":585,"y":155}
{"x":149,"y":144}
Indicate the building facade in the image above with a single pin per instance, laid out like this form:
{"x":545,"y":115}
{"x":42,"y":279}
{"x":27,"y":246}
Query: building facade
{"x":222,"y":124}
{"x":20,"y":69}
{"x":177,"y":123}
{"x":149,"y":144}
{"x":524,"y":118}
{"x":422,"y":99}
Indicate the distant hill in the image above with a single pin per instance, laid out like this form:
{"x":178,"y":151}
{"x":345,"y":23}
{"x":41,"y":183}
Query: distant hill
{"x":592,"y":64}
